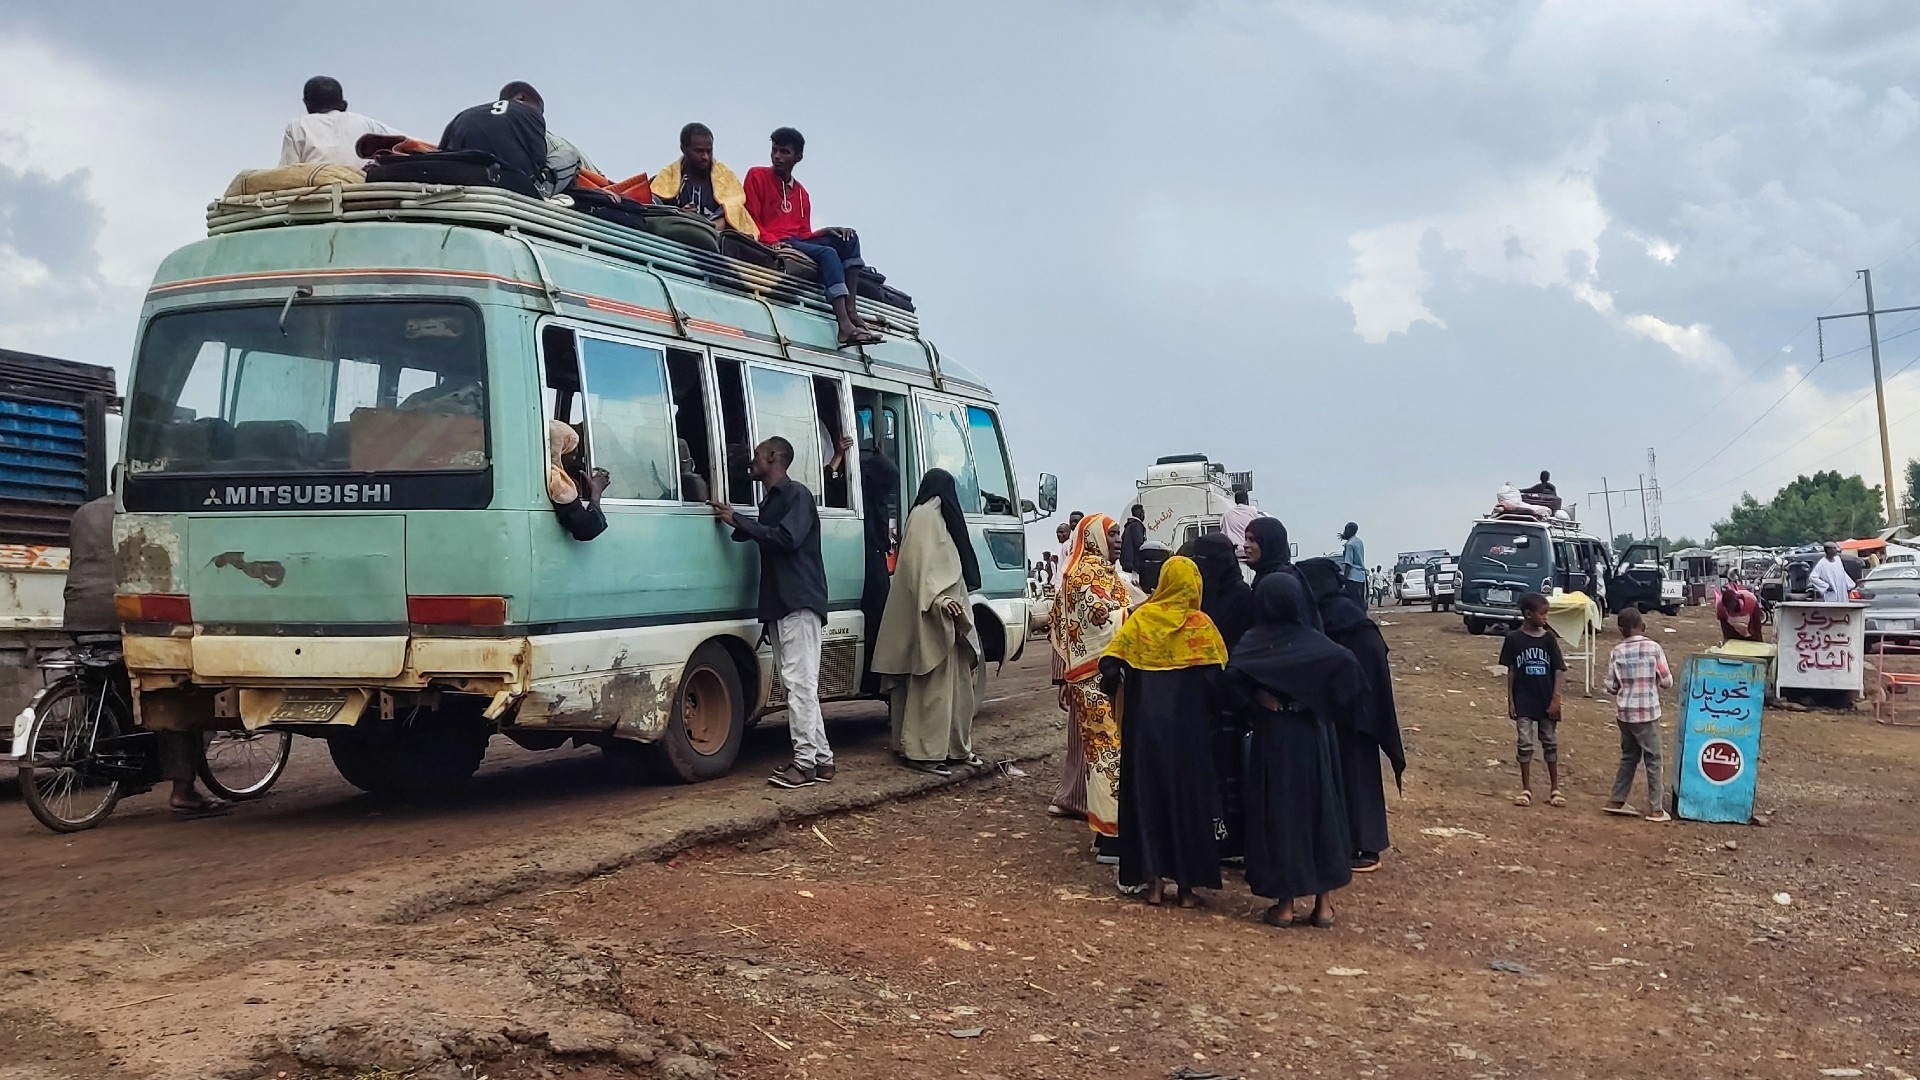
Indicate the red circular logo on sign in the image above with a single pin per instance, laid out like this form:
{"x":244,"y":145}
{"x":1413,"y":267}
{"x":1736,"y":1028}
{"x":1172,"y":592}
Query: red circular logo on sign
{"x":1720,"y":761}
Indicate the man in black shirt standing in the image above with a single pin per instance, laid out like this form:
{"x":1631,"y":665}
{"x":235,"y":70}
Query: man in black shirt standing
{"x":793,"y":602}
{"x":1132,"y":535}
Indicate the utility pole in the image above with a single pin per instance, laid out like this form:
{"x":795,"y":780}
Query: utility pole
{"x":1608,"y":493}
{"x":1879,"y":385}
{"x":1645,"y":529}
{"x":1652,"y":495}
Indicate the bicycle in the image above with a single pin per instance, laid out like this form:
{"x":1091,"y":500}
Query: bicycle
{"x":83,"y":751}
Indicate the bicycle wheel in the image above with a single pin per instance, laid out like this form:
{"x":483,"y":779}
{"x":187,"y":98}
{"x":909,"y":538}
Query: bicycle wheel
{"x":242,"y":765}
{"x":56,"y":780}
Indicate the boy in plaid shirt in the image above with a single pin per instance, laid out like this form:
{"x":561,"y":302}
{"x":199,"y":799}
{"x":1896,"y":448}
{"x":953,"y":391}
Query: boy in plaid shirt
{"x":1636,"y":674}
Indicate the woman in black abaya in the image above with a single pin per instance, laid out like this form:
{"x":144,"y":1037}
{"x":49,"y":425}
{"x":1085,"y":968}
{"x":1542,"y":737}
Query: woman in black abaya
{"x":1295,"y":685}
{"x":1227,"y":599}
{"x":1158,"y":671}
{"x":1268,"y":551}
{"x":1376,"y":726}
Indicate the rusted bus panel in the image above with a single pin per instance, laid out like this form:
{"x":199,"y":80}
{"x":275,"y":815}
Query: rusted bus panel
{"x":218,"y":657}
{"x":148,"y":653}
{"x":149,"y":554}
{"x":634,"y":703}
{"x":503,"y":659}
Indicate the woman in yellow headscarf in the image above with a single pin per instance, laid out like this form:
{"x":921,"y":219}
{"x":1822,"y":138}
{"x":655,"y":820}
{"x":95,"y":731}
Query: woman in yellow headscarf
{"x":1086,"y":615}
{"x":1156,"y":671}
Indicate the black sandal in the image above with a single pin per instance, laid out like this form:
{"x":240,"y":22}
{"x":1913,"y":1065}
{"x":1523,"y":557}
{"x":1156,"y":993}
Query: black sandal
{"x":1274,"y":919}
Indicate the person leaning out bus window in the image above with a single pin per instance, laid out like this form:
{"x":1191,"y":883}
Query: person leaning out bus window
{"x":575,"y":493}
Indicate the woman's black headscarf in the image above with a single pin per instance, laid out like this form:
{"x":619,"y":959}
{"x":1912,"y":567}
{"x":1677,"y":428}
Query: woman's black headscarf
{"x":938,"y":484}
{"x":1346,"y":622}
{"x":1225,"y":596}
{"x":1338,"y":611}
{"x":1276,"y":556}
{"x":1286,"y":656}
{"x":1275,"y":551}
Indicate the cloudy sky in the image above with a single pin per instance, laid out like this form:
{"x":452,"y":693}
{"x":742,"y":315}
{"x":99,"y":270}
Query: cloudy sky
{"x":1386,"y":260}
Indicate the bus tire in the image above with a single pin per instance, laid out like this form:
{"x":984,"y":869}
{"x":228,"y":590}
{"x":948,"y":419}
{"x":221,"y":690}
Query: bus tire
{"x":708,"y":722}
{"x":1474,"y":626}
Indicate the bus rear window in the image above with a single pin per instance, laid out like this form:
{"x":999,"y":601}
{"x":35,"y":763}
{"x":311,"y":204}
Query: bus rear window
{"x":1506,"y":549}
{"x":315,"y":387}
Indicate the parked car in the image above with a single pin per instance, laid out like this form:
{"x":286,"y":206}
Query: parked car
{"x":1409,"y":584}
{"x":1643,"y":581}
{"x":1892,"y":594}
{"x":1443,"y":582}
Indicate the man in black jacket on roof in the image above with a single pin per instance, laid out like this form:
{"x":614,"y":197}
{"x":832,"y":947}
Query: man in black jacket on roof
{"x":513,"y":129}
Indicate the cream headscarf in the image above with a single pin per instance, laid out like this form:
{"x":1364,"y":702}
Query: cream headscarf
{"x":561,"y":440}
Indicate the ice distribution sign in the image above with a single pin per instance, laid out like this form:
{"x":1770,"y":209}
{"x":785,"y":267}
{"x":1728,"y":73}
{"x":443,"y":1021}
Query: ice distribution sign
{"x":1721,"y":701}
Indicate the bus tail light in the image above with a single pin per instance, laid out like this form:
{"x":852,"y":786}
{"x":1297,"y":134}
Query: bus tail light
{"x":457,"y":610}
{"x":153,"y":608}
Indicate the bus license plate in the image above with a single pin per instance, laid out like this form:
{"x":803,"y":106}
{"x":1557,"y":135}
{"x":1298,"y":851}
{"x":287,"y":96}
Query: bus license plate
{"x":308,"y":707}
{"x":1896,"y":624}
{"x":1499,"y":596}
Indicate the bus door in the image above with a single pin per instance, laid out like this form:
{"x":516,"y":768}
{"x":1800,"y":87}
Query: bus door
{"x":880,"y":435}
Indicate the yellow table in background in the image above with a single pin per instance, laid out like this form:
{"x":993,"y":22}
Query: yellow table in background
{"x":1576,"y":619}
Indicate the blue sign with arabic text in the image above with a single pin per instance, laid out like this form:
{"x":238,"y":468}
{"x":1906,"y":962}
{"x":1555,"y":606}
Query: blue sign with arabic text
{"x":1721,"y":701}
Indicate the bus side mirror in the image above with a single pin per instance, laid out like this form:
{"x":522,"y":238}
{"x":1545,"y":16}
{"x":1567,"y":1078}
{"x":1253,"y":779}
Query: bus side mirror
{"x":1049,"y":493}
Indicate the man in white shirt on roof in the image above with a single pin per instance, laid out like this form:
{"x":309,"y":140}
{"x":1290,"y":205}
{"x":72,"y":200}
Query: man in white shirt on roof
{"x":327,"y":134}
{"x":1829,"y":577}
{"x":1236,"y":519}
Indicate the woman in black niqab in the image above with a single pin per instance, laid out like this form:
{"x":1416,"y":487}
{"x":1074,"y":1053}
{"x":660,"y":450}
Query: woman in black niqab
{"x":1227,"y":599}
{"x":1375,"y":729}
{"x":1225,"y":595}
{"x":1294,"y":684}
{"x":939,"y":484}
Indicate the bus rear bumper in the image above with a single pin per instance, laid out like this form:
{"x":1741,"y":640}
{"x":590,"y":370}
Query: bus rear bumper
{"x":191,"y":681}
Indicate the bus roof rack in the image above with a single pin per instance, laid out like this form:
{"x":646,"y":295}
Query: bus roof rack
{"x":499,"y":210}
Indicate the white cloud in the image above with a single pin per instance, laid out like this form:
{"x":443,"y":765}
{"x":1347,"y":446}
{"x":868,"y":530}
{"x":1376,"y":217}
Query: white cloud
{"x":1543,"y":230}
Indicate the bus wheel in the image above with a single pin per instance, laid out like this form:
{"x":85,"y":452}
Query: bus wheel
{"x":1475,"y":626}
{"x":709,"y":720}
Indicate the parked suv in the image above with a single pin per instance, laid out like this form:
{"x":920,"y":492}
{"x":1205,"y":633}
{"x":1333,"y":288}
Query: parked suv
{"x":1443,"y":582}
{"x":1507,"y":557}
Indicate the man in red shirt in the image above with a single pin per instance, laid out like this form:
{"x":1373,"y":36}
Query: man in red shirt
{"x":1739,"y":612}
{"x":780,"y":206}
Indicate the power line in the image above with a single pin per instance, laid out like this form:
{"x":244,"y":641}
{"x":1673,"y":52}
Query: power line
{"x":1743,"y":431}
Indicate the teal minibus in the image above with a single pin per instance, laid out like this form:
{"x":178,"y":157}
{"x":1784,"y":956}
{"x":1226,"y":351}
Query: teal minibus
{"x":334,"y":511}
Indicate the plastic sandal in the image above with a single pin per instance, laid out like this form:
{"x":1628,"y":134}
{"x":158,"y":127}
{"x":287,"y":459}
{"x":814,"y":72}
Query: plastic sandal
{"x":1556,"y":799}
{"x":1525,"y":798}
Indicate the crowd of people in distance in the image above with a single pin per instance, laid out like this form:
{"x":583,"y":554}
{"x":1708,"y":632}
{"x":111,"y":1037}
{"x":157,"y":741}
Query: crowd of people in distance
{"x":1221,"y":721}
{"x":769,"y":205}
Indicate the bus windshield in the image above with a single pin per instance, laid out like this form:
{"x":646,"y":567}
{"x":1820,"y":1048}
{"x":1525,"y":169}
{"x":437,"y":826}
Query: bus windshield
{"x":364,"y":386}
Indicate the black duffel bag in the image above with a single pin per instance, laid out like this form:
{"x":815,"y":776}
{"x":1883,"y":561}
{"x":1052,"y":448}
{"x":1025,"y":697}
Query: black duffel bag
{"x":461,"y":168}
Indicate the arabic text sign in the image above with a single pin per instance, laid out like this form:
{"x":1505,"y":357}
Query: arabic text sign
{"x":1721,"y":701}
{"x":1822,"y":645}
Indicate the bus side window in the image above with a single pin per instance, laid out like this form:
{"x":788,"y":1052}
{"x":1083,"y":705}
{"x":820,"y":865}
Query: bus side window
{"x":690,"y":428}
{"x":564,"y":402}
{"x":838,"y":490}
{"x":783,"y":406}
{"x":630,"y":418}
{"x":737,"y":453}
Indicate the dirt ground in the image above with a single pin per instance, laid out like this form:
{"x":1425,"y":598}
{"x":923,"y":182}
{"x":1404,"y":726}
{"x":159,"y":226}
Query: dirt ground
{"x":556,"y":924}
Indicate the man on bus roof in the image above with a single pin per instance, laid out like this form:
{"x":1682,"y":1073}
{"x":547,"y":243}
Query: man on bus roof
{"x":696,"y":183}
{"x":513,"y":128}
{"x":782,"y":208}
{"x":327,"y":133}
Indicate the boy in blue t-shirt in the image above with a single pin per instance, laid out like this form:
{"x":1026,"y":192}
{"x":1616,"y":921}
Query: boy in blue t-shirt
{"x":1532,"y":658}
